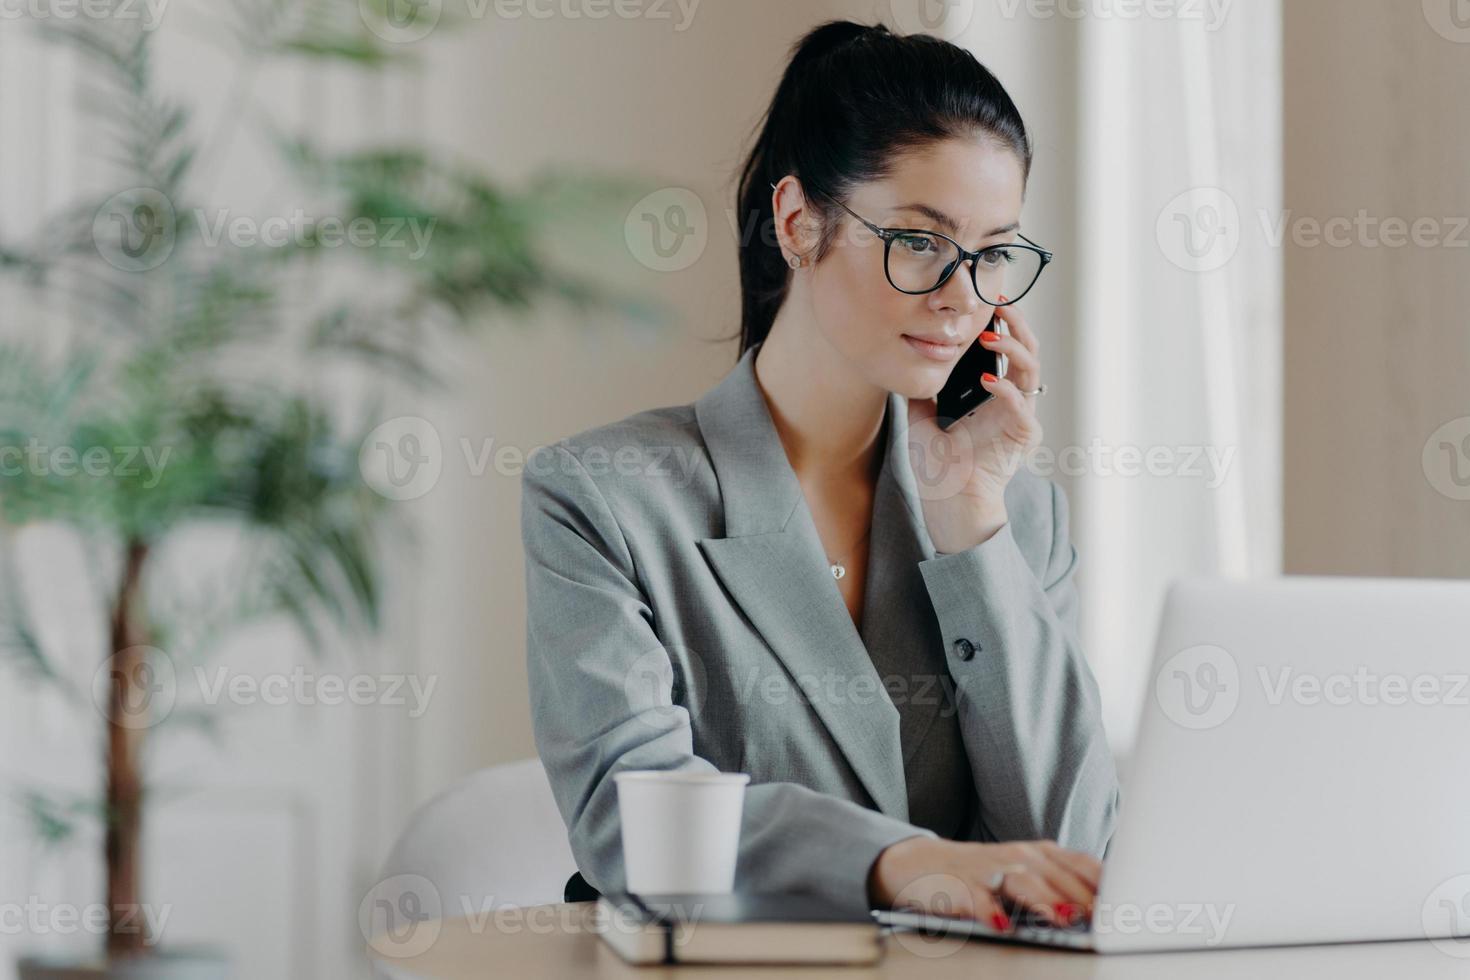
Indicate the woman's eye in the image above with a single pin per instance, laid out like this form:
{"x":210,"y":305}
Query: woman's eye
{"x":917,"y":246}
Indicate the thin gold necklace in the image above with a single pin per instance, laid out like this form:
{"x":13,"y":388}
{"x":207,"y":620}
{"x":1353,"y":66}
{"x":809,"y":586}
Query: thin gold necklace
{"x":838,"y":568}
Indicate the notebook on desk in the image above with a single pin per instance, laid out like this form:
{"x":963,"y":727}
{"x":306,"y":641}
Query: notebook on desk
{"x":735,"y":928}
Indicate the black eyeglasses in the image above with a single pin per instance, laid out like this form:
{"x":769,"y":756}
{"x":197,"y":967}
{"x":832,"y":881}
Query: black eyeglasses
{"x":918,"y":261}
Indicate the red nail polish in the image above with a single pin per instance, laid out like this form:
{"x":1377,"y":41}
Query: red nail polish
{"x":1065,"y":912}
{"x":1000,"y":922}
{"x":989,"y":377}
{"x":990,"y":336}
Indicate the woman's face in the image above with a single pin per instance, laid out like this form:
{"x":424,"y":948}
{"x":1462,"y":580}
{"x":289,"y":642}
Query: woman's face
{"x":978,"y":187}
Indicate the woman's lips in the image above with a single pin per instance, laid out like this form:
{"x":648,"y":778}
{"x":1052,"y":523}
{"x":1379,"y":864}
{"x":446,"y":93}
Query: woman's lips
{"x":936,"y":352}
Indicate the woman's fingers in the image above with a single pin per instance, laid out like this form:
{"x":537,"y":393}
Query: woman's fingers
{"x":988,"y":909}
{"x":1018,"y":420}
{"x":1078,"y":896}
{"x":1051,"y":881}
{"x":1024,"y":364}
{"x":1005,"y":391}
{"x":1031,"y":891}
{"x":1062,"y":870}
{"x":1080,"y":863}
{"x":1042,"y":881}
{"x":954,"y":896}
{"x":1016,"y":322}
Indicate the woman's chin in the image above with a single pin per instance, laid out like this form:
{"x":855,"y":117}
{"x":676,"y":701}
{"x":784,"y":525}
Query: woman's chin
{"x":922,"y":383}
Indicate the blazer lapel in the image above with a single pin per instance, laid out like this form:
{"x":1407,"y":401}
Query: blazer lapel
{"x":772,"y":563}
{"x":899,"y":630}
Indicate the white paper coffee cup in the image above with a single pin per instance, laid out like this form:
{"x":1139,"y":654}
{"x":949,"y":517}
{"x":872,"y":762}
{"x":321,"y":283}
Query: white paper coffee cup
{"x":681,"y":830}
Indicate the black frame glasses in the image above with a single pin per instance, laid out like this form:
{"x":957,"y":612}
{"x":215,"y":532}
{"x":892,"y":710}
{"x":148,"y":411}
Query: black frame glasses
{"x":890,"y":235}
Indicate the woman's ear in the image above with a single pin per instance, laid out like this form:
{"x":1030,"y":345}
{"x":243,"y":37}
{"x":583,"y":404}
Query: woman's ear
{"x":796,"y":229}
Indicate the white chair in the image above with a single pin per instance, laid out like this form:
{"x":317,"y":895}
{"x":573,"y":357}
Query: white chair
{"x":494,"y":839}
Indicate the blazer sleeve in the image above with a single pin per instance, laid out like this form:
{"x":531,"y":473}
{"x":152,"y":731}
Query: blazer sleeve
{"x":1028,"y":703}
{"x":589,"y":630}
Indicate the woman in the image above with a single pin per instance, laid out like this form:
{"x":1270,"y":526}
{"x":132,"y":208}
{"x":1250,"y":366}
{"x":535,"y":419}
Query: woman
{"x":759,"y":582}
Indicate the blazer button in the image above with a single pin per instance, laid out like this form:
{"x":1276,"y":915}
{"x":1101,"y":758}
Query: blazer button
{"x":964,"y":649}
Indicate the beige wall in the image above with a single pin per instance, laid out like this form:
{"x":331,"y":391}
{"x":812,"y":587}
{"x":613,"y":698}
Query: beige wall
{"x":1377,"y":352}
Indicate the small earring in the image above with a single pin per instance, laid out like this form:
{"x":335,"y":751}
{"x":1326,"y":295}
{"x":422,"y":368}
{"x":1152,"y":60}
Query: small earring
{"x":794,"y":261}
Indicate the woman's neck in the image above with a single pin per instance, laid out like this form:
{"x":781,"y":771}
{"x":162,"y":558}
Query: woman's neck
{"x":829,"y":420}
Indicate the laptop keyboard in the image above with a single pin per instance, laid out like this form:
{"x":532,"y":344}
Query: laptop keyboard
{"x":1077,"y":935}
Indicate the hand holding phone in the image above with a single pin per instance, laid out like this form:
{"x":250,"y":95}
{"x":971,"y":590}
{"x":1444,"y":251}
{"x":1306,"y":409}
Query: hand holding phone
{"x":963,"y":392}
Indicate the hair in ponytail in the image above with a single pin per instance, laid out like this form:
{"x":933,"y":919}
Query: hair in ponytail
{"x":852,"y":98}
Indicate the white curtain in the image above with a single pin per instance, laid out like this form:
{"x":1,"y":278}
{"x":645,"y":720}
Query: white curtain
{"x":1179,"y":337}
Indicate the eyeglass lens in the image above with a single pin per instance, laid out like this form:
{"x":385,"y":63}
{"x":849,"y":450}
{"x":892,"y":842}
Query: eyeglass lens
{"x":917,"y":262}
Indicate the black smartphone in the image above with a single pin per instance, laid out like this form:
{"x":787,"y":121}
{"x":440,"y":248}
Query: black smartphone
{"x":963,"y":392}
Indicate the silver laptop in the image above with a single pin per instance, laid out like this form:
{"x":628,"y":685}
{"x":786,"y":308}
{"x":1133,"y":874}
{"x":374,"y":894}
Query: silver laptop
{"x":1301,"y":774}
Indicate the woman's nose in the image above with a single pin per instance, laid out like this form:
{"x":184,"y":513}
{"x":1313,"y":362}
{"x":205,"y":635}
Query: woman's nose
{"x":958,"y":292}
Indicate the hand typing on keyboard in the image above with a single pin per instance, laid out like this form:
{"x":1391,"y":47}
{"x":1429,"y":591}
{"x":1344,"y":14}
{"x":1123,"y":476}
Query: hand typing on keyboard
{"x":991,"y":883}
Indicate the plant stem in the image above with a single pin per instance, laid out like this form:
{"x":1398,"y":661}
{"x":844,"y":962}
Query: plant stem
{"x":126,"y":727}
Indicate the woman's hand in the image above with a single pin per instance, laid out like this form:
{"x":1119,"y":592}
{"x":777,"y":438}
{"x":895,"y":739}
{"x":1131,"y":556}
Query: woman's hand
{"x":952,"y":878}
{"x":962,"y":473}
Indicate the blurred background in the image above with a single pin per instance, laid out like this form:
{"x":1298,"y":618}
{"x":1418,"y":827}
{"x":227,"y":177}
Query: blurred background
{"x":290,"y":288}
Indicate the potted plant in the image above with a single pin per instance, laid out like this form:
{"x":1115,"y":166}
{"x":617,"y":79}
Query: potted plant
{"x":168,"y":323}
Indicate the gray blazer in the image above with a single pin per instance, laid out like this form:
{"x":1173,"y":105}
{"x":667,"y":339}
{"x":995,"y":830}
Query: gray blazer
{"x":681,"y":615}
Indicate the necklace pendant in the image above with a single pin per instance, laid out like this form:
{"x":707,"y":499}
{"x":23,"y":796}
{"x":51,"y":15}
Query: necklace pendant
{"x":838,"y":571}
